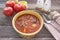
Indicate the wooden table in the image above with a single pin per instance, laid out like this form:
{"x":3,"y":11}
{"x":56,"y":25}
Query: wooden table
{"x":8,"y":33}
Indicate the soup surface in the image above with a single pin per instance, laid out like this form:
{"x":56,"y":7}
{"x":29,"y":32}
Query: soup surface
{"x":27,"y":23}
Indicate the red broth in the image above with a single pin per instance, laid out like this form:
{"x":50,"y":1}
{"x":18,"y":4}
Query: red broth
{"x":27,"y":23}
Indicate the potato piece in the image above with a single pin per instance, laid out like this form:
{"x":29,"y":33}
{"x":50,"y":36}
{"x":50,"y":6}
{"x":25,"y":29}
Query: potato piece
{"x":34,"y":25}
{"x":24,"y":30}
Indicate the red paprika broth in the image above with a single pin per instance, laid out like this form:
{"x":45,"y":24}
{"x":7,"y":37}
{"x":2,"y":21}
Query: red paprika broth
{"x":27,"y":23}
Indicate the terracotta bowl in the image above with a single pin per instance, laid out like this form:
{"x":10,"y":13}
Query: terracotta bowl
{"x":27,"y":35}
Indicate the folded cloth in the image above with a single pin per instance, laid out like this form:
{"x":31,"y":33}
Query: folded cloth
{"x":54,"y":29}
{"x":55,"y":15}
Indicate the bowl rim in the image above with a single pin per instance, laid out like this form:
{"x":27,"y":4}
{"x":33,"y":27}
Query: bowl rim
{"x":26,"y":12}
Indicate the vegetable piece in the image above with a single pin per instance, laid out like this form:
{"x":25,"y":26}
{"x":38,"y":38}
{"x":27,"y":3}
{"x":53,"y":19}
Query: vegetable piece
{"x":34,"y":25}
{"x":19,"y":7}
{"x":24,"y":30}
{"x":23,"y":2}
{"x":8,"y":11}
{"x":10,"y":4}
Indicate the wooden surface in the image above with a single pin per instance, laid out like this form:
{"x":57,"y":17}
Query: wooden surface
{"x":7,"y":32}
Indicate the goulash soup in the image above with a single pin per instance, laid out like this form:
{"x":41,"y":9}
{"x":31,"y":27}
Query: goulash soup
{"x":27,"y":23}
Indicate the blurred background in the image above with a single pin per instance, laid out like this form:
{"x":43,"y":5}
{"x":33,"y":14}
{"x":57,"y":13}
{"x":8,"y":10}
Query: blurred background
{"x":55,"y":3}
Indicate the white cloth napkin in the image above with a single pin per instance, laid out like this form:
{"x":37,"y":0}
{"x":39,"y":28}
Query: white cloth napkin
{"x":54,"y":29}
